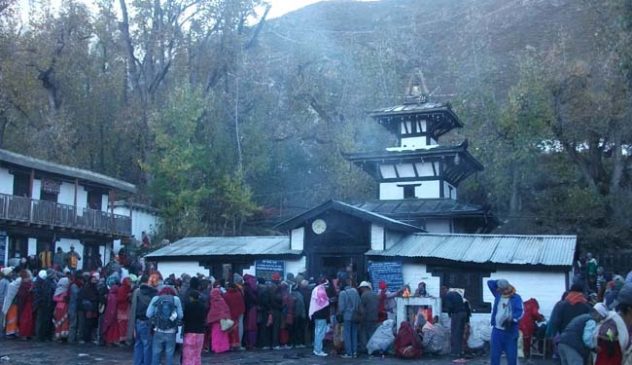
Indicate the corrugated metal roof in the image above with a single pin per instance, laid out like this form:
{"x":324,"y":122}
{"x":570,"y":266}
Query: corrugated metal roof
{"x":487,"y":248}
{"x":219,"y":246}
{"x":63,"y":170}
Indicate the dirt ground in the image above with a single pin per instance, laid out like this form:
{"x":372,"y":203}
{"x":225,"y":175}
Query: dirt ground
{"x":35,"y":353}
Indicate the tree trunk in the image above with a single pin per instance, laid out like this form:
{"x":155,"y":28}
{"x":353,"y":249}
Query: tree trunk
{"x":514,"y":202}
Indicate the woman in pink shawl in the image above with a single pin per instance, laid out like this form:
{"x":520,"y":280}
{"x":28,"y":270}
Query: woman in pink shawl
{"x":319,"y":311}
{"x":219,"y":310}
{"x":111,"y":333}
{"x":60,"y":316}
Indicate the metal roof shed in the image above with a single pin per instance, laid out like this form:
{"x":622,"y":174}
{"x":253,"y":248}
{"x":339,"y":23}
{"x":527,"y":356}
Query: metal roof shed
{"x":531,"y":250}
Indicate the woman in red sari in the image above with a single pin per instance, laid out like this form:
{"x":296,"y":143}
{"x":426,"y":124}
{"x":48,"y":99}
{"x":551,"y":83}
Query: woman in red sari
{"x":122,"y":309}
{"x":61,"y":319}
{"x":407,"y":343}
{"x":111,"y":333}
{"x":25,"y":296}
{"x":235,"y":301}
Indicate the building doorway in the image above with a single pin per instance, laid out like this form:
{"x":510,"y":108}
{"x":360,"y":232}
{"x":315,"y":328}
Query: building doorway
{"x":330,"y":264}
{"x":18,"y":245}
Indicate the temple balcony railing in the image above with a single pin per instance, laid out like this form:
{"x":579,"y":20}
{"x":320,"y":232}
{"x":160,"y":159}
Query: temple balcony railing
{"x":47,"y":213}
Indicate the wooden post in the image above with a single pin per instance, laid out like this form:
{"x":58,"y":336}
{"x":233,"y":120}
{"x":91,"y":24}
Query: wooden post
{"x":31,"y":178}
{"x":74,"y":218}
{"x":111,"y":197}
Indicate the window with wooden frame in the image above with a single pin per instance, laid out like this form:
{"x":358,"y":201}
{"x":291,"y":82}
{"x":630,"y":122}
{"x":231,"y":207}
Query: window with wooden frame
{"x":470,"y":280}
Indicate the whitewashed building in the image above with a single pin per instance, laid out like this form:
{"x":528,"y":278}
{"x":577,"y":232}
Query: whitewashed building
{"x":44,"y":204}
{"x":144,"y":218}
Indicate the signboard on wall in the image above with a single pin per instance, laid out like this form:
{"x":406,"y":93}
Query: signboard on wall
{"x":3,"y":248}
{"x":265,"y":268}
{"x":388,"y":271}
{"x":51,"y":186}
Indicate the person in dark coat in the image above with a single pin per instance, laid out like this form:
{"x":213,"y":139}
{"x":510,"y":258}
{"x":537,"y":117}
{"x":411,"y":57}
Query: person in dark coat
{"x":369,"y":302}
{"x":454,"y":305}
{"x":44,"y":306}
{"x":297,"y":330}
{"x":573,"y":305}
{"x":89,"y":304}
{"x":194,"y":327}
{"x":577,"y":338}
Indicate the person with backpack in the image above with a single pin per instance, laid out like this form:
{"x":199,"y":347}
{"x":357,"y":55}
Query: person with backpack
{"x":349,"y":314}
{"x":165,"y":313}
{"x":141,"y":298}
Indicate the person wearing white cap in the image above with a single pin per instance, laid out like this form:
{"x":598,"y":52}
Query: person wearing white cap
{"x":578,"y":338}
{"x":506,"y":314}
{"x":611,"y":336}
{"x":369,"y":301}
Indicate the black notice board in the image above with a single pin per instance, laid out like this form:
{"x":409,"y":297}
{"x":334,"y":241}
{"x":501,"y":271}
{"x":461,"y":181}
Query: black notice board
{"x":265,"y":268}
{"x":389,"y":271}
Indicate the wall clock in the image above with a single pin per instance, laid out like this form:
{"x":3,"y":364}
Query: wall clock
{"x":319,"y":226}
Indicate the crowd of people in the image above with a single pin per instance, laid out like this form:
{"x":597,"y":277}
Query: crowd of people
{"x":133,"y":305}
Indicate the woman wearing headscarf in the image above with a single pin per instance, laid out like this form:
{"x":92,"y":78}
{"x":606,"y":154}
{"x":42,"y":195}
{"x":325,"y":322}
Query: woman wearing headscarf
{"x":4,"y":286}
{"x":287,"y":314}
{"x":407,"y":343}
{"x":219,"y":310}
{"x":122,"y":307}
{"x":382,"y":303}
{"x":26,"y":296}
{"x":10,"y":307}
{"x":251,"y":301}
{"x":235,"y":301}
{"x":111,"y":333}
{"x":319,"y":312}
{"x":43,"y":305}
{"x":527,"y":324}
{"x":611,"y":337}
{"x":60,"y":317}
{"x":89,"y":306}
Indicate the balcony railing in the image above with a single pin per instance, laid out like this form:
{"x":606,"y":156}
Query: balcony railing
{"x":17,"y":208}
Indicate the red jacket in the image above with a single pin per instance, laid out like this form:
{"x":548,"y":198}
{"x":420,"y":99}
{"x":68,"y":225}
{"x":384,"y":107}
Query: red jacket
{"x":530,"y":317}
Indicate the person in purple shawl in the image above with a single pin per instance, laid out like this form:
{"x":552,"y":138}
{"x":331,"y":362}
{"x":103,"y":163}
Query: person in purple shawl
{"x":252,"y":300}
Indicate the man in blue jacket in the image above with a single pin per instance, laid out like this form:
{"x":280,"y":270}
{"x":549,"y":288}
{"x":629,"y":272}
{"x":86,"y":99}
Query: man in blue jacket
{"x":506,"y":314}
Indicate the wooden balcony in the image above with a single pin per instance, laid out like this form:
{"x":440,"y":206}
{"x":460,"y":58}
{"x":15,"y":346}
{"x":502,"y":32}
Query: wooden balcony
{"x":55,"y":215}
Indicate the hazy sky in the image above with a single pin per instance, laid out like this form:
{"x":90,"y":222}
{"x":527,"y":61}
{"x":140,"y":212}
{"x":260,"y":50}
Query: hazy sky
{"x":279,"y":7}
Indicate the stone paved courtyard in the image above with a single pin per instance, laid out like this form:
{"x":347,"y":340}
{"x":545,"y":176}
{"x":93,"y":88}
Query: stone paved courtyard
{"x":35,"y":353}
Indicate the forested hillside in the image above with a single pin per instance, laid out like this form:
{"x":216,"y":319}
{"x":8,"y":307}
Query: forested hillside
{"x":228,"y":121}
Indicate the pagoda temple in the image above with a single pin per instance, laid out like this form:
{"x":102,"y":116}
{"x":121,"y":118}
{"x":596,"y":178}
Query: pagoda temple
{"x":415,"y":231}
{"x":418,"y":179}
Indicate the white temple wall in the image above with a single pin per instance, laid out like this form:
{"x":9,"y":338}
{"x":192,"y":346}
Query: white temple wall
{"x":6,"y":182}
